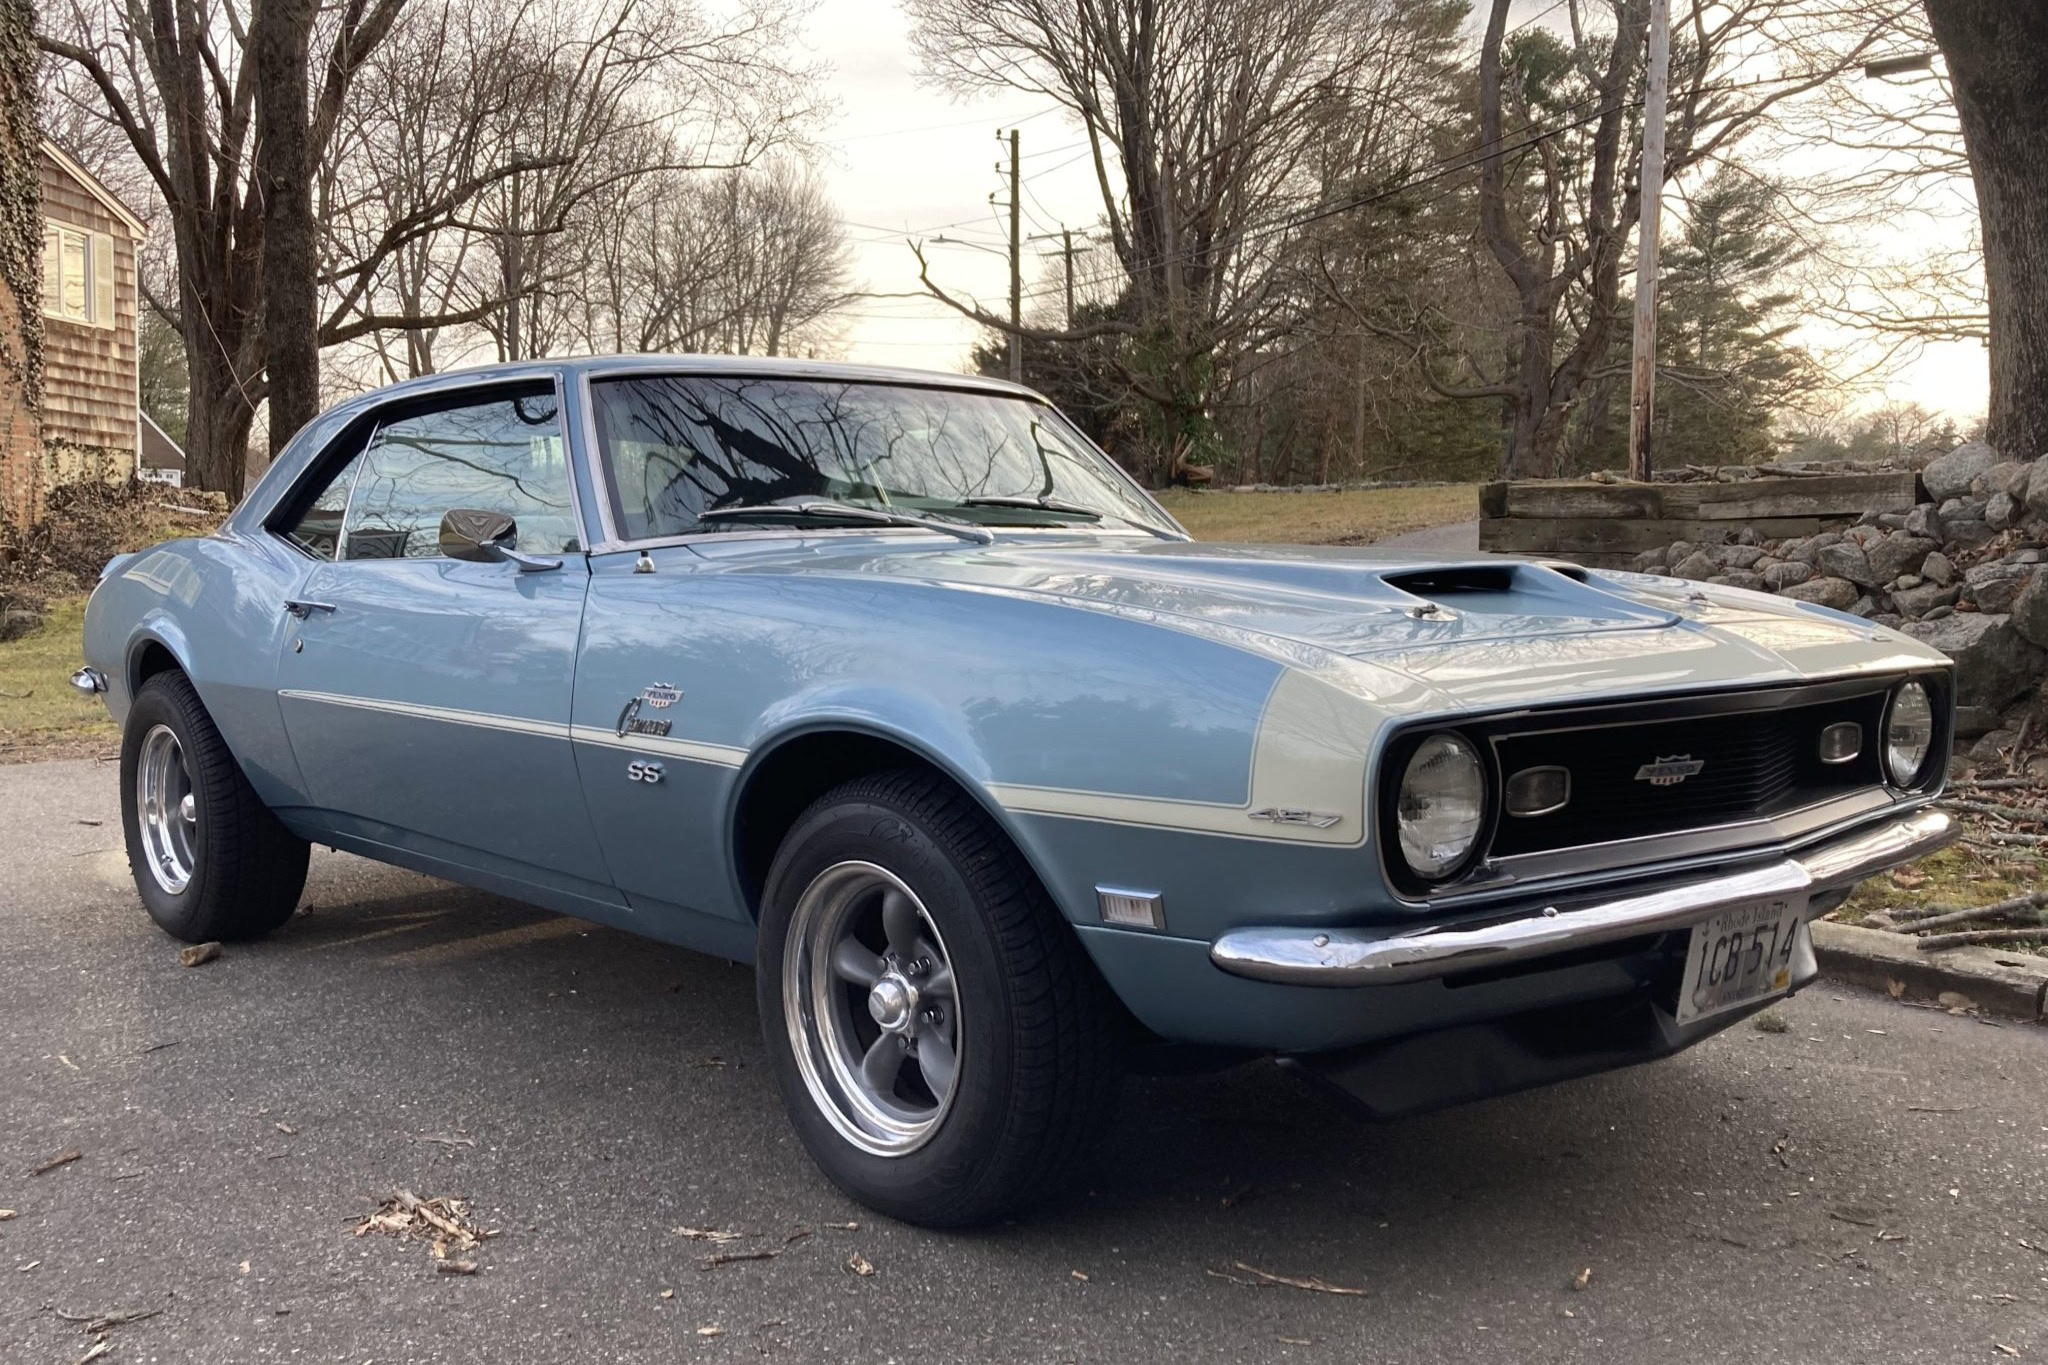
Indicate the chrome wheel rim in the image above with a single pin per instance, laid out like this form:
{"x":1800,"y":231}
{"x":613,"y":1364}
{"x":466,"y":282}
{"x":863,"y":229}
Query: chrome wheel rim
{"x":872,"y":1009}
{"x":167,"y":810}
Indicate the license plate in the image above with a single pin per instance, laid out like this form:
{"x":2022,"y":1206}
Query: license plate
{"x":1740,"y":955}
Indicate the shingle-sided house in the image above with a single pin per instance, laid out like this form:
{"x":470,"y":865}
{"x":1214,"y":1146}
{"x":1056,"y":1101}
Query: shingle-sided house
{"x":91,"y":410}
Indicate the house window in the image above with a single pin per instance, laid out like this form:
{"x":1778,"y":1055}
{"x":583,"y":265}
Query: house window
{"x":78,"y":275}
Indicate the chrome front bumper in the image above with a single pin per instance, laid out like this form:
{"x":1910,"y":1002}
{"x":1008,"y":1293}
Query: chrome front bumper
{"x":1349,"y":957}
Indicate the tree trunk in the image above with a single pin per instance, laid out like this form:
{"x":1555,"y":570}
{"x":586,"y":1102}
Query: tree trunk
{"x":220,"y":417}
{"x":1997,"y":53}
{"x":281,"y":33}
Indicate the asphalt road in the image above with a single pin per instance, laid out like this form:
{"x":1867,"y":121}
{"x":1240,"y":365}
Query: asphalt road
{"x":1456,"y":538}
{"x":1861,"y":1187}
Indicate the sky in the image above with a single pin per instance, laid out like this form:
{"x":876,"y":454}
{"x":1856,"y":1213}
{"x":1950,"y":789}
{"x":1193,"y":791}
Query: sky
{"x":903,"y":158}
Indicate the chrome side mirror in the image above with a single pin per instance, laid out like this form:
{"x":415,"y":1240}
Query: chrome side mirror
{"x":482,"y":537}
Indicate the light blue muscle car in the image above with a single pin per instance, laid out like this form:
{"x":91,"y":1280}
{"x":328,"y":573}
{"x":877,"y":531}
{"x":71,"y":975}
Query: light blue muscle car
{"x":893,"y":685}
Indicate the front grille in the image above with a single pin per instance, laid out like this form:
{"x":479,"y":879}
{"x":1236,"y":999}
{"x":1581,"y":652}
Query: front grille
{"x":1754,"y":764}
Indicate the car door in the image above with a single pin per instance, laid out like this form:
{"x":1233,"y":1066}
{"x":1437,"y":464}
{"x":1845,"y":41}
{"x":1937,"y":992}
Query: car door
{"x":426,"y":695}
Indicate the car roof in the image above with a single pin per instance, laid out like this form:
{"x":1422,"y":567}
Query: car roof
{"x":776,"y":367}
{"x":277,"y":480}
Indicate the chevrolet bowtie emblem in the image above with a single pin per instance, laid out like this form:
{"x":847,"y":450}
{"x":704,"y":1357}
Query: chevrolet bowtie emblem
{"x":1669,"y":772}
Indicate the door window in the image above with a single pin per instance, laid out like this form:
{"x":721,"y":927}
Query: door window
{"x":504,"y":454}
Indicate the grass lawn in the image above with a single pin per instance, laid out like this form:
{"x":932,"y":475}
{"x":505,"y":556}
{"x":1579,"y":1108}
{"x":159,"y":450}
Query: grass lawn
{"x":1350,"y":518}
{"x":40,"y":715}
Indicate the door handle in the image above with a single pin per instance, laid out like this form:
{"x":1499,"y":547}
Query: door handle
{"x":304,"y":610}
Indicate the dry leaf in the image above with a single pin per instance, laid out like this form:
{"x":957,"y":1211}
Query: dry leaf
{"x":2006,"y":1350}
{"x":243,"y":1267}
{"x":859,"y":1264}
{"x":1895,"y":988}
{"x":1583,"y":1278}
{"x":198,"y":955}
{"x":286,"y":1129}
{"x":668,"y":1293}
{"x":6,"y":1214}
{"x":456,"y":1267}
{"x":710,"y":1329}
{"x":30,"y":1266}
{"x":1080,"y":1275}
{"x":707,"y":1234}
{"x":95,"y":1351}
{"x":1294,"y":1341}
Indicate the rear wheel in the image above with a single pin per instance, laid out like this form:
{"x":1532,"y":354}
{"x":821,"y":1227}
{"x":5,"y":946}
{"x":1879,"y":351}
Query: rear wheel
{"x":209,"y":859}
{"x":945,"y":1049}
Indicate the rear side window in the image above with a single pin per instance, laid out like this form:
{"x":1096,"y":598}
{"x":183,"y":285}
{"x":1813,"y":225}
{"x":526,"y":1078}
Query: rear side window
{"x":502,"y":454}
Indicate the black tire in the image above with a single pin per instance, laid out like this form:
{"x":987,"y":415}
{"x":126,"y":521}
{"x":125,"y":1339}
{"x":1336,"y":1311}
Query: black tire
{"x":1039,"y":1035}
{"x":246,"y":869}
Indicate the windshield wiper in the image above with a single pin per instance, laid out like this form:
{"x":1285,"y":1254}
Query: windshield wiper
{"x":810,"y":506}
{"x":1072,"y":509}
{"x":1041,"y":504}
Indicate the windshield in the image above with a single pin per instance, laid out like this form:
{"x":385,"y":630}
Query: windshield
{"x":676,"y":447}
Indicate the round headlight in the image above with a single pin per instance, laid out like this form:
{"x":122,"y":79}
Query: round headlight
{"x":1908,"y":734}
{"x":1441,"y":806}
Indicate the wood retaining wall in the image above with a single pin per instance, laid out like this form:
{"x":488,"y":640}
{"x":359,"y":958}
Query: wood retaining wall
{"x":1606,"y":525}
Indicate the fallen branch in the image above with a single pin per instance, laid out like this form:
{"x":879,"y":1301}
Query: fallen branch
{"x":2000,"y":836}
{"x":63,"y":1158}
{"x":2033,"y":815}
{"x":1941,"y":916}
{"x":1312,"y":1283}
{"x":107,"y":1319}
{"x":1996,"y":784}
{"x":716,"y":1259}
{"x":1936,"y":942}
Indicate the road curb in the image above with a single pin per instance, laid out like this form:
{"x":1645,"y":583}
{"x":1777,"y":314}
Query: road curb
{"x":2009,"y":984}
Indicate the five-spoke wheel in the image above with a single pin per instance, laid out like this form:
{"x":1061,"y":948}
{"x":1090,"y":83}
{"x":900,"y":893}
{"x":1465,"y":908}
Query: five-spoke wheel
{"x":210,"y":859}
{"x":943,"y":1045}
{"x":169,"y":814}
{"x":872,"y":1008}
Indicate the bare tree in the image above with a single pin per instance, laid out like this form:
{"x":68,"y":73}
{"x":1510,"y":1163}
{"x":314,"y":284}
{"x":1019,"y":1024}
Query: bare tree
{"x":179,"y":82}
{"x":1202,"y":117}
{"x":565,"y":92}
{"x":1997,"y":54}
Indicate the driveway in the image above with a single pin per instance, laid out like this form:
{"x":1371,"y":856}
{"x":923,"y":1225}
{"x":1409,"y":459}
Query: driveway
{"x":1456,"y":538}
{"x":1865,"y":1186}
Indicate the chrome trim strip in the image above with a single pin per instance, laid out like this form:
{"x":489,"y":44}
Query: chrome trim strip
{"x":1652,"y":848}
{"x":1305,"y":956}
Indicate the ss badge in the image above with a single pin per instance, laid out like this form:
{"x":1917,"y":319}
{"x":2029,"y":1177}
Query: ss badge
{"x":641,"y":771}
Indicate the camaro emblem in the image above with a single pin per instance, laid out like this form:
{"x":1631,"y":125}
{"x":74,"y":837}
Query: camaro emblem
{"x":660,"y":696}
{"x":1314,"y":819}
{"x":1669,"y":772}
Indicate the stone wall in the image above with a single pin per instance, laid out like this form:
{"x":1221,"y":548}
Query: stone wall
{"x":1965,"y":569}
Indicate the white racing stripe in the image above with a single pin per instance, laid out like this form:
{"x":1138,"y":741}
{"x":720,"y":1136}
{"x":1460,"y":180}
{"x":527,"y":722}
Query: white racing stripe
{"x":482,"y":719}
{"x":696,"y":751}
{"x":1310,"y":754}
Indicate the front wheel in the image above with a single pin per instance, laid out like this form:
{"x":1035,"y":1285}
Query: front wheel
{"x":943,"y":1046}
{"x":210,"y":860}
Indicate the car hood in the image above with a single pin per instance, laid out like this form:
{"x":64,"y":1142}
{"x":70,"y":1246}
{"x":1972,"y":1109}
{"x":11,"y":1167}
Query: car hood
{"x":1488,"y":631}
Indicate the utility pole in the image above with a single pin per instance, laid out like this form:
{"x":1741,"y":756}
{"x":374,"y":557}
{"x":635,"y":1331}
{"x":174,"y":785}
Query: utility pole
{"x":1067,"y":249}
{"x":514,"y":269}
{"x":1016,"y":267}
{"x":1642,"y":405}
